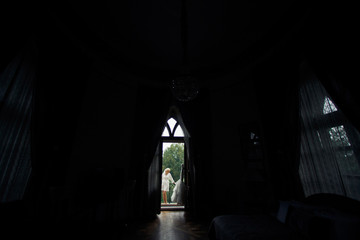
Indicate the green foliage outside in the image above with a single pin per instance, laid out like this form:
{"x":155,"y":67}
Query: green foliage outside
{"x":173,"y":157}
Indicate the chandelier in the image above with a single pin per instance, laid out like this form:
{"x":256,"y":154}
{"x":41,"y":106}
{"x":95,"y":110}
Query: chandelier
{"x":184,"y":87}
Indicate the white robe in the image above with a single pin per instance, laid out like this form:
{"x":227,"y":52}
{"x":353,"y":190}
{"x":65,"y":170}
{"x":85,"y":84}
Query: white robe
{"x":178,"y":194}
{"x":165,"y":181}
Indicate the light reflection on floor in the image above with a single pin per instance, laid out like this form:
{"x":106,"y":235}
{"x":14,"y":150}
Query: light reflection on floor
{"x":174,"y":225}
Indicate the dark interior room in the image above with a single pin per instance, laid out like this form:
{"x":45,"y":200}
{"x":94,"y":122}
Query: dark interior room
{"x":265,"y":93}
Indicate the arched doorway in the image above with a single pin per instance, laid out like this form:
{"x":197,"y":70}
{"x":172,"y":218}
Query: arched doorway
{"x":174,"y":133}
{"x":173,"y":158}
{"x":175,"y":154}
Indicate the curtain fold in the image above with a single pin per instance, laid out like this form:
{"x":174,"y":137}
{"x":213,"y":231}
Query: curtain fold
{"x":329,"y":160}
{"x":196,"y":118}
{"x":16,"y":94}
{"x":154,"y":183}
{"x":151,"y":112}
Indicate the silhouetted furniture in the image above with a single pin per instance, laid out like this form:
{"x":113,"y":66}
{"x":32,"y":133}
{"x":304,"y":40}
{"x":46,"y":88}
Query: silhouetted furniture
{"x":321,"y":216}
{"x":259,"y":226}
{"x":325,"y":216}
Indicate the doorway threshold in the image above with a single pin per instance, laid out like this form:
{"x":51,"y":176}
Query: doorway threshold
{"x":172,"y":207}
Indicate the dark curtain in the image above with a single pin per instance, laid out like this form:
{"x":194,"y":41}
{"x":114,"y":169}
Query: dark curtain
{"x":329,"y":157}
{"x":154,"y":183}
{"x":152,"y":107}
{"x":196,"y":117}
{"x":16,"y":94}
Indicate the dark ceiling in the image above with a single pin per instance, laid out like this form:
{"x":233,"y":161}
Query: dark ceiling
{"x":148,"y":34}
{"x":145,"y":37}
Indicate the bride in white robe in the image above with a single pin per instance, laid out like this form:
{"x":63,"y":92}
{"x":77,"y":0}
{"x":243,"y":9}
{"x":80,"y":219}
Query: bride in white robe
{"x":166,"y":177}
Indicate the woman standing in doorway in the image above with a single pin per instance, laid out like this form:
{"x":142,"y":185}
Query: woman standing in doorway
{"x":166,"y":177}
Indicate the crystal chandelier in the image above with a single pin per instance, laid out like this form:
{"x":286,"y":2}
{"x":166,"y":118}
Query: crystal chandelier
{"x":184,"y":87}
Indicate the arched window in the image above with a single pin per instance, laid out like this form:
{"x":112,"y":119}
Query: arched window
{"x":172,"y":129}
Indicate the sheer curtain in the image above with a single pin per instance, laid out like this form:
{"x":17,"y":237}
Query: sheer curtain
{"x":16,"y":93}
{"x":329,"y":156}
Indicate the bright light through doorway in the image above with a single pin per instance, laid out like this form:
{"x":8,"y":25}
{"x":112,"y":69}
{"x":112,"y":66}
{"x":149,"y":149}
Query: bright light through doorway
{"x":166,"y":145}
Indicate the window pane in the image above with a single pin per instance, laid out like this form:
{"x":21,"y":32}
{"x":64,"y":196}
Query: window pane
{"x":338,"y":135}
{"x":179,"y":132}
{"x":172,"y":123}
{"x":165,"y":133}
{"x":329,"y":106}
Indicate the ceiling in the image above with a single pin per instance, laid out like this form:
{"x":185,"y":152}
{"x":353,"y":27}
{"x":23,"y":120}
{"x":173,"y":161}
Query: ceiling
{"x":149,"y":33}
{"x":146,"y":36}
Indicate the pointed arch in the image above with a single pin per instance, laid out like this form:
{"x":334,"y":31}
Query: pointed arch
{"x":175,"y":132}
{"x":172,"y":128}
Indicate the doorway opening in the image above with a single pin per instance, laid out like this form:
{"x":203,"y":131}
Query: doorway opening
{"x":173,"y":158}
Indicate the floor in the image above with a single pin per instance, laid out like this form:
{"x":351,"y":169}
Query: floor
{"x":169,"y":225}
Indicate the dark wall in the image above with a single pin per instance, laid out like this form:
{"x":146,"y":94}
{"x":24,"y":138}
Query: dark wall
{"x":276,"y":89}
{"x":233,"y":106}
